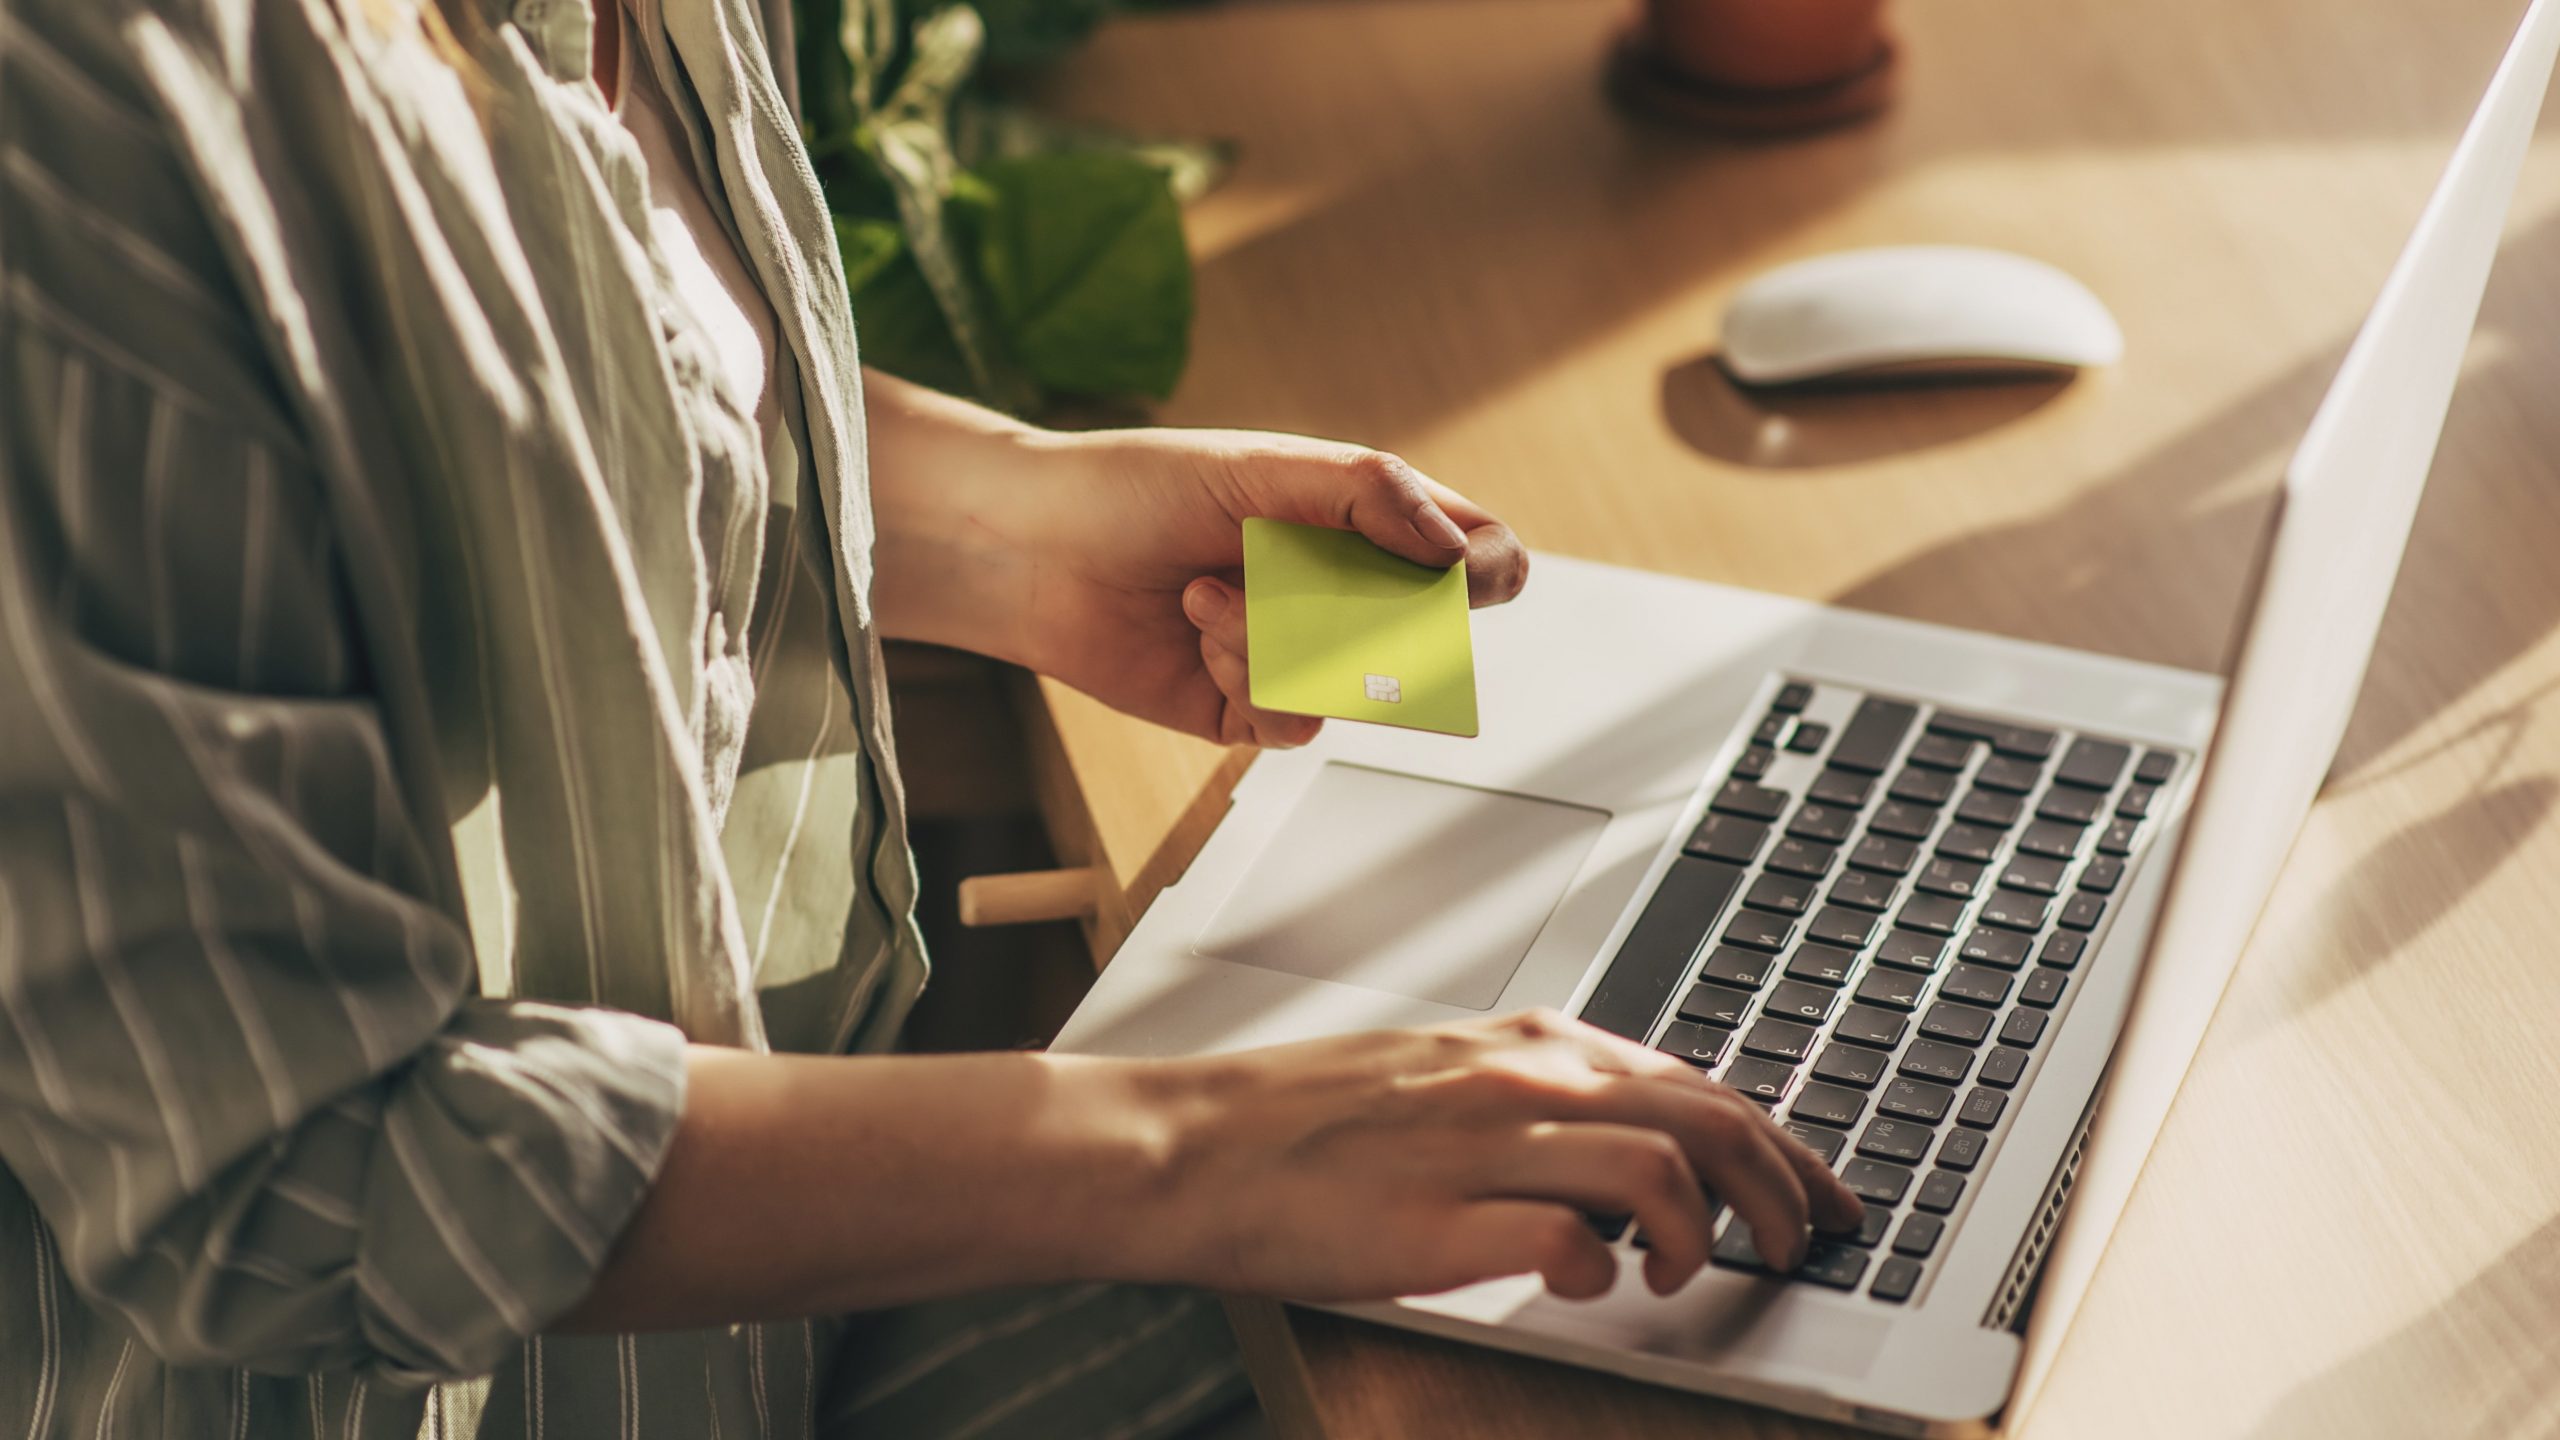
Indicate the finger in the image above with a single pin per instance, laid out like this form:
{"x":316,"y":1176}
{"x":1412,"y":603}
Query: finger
{"x":1497,"y":563}
{"x":1492,"y":1238}
{"x":1834,"y":1205}
{"x":1242,"y":722}
{"x":1732,"y":1145}
{"x":1615,"y":1170}
{"x":1217,"y":608}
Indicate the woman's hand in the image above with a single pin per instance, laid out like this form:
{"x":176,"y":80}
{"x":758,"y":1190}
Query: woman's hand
{"x":1412,"y":1161}
{"x":1113,"y":560}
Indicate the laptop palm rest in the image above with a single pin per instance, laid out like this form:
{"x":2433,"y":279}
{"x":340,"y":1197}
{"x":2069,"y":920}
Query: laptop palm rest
{"x":1410,"y":886}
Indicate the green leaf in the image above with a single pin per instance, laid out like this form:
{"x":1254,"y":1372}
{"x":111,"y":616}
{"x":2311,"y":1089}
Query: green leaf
{"x":899,"y":325}
{"x":1085,"y":266}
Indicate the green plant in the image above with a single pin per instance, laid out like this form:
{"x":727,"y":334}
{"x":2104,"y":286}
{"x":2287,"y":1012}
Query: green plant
{"x":988,"y":252}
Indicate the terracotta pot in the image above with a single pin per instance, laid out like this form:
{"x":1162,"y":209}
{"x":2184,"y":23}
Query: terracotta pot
{"x":1766,"y":44}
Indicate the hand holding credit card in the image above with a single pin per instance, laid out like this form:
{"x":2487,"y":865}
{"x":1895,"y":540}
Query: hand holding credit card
{"x":1335,"y":626}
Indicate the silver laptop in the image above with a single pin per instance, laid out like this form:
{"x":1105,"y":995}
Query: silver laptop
{"x":1897,"y":881}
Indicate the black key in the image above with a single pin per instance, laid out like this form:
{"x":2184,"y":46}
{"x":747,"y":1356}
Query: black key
{"x":2053,"y":839}
{"x":2043,"y":989}
{"x":1656,"y":955}
{"x":1873,"y":1222}
{"x":1772,"y":725}
{"x":1714,"y":1005}
{"x":1897,"y":1140}
{"x":1738,"y":968}
{"x":2102,"y":875}
{"x":1865,"y":891}
{"x":1961,"y":1023}
{"x":1976,"y":985}
{"x":1970,"y":842}
{"x":1982,"y":1107}
{"x":1995,"y":947}
{"x":1825,"y":824}
{"x":1831,"y":1265}
{"x":2119,"y":836}
{"x":1821,"y":1140}
{"x":1892,"y":989}
{"x":2024,"y":742}
{"x":1910,"y":950}
{"x":1935,"y":914}
{"x":2003,"y":1066}
{"x":1792,"y":697}
{"x":1751,"y":802}
{"x":1765,"y":1079}
{"x":1795,"y":1000}
{"x":1903,"y":821}
{"x":1946,"y":875}
{"x":1821,"y":964}
{"x":1829,"y":1105}
{"x":1941,"y":752}
{"x":1849,"y":1065}
{"x":2012,"y":910}
{"x":1874,"y":733}
{"x":1896,"y":1279}
{"x":1841,"y":926}
{"x":1779,"y":1040}
{"x":1867,"y":1025}
{"x":1924,"y":787}
{"x":1870,"y":1026}
{"x":2093,"y":764}
{"x":1940,"y":1192}
{"x":1876,"y":1180}
{"x":1780,"y":895}
{"x":2063,"y":951}
{"x":2002,"y":772}
{"x":1755,"y":762}
{"x":2156,"y":767}
{"x":1929,"y":1060}
{"x":1607,"y":1227}
{"x":2083,"y":911}
{"x":1798,"y":857}
{"x":1915,"y":1100}
{"x":2136,"y":802}
{"x":1918,"y":1235}
{"x":1729,"y":838}
{"x":2024,"y":1028}
{"x":1885,"y":854}
{"x":2027,"y":872}
{"x":1698,"y":1044}
{"x":2071,"y":807}
{"x":1808,"y":738}
{"x":1756,"y":931}
{"x":1991,"y":808}
{"x":1962,"y":1149}
{"x":1842,"y":787}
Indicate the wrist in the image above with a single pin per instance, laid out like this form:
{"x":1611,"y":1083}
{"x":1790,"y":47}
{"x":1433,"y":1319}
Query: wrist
{"x":1155,"y":1218}
{"x":949,"y":483}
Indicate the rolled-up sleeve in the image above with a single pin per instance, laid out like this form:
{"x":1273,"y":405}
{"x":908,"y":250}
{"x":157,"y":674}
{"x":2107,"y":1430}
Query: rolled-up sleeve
{"x":244,"y":1073}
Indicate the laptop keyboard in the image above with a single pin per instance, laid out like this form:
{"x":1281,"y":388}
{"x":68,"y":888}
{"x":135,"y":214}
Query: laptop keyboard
{"x":1870,"y":934}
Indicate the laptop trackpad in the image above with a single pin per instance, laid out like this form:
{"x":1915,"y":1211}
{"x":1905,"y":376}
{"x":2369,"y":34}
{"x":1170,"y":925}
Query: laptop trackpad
{"x":1415,"y":887}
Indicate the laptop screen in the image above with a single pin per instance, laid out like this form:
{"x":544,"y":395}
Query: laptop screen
{"x":2325,"y":578}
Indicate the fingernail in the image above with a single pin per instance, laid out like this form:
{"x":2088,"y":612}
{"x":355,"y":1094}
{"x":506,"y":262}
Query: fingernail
{"x":1438,"y":528}
{"x":1205,"y":603}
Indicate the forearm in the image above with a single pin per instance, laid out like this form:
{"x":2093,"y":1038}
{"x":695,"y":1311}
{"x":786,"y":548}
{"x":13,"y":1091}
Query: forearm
{"x":947,"y":568}
{"x":801,"y":1185}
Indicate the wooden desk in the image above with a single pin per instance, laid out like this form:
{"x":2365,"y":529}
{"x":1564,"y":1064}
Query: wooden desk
{"x":1442,"y":240}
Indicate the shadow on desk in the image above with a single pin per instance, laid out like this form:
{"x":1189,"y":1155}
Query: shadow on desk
{"x":2422,"y":1379}
{"x":1807,"y":429}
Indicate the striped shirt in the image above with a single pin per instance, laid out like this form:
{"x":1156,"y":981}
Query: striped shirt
{"x":425,"y":702}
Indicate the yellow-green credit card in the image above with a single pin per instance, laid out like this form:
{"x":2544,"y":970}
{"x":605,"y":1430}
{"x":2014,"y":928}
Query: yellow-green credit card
{"x":1336,"y":626}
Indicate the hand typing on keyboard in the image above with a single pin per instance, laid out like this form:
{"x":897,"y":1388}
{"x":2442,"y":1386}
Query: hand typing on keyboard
{"x":1412,"y":1161}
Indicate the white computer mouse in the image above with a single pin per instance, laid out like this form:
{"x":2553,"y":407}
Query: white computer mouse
{"x":1914,"y":310}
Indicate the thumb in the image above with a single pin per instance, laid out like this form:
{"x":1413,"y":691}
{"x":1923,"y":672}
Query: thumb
{"x":1370,"y":491}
